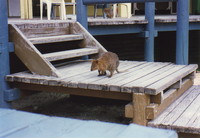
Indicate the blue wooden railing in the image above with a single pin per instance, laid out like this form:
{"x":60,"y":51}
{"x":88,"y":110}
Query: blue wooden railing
{"x":7,"y":94}
{"x":182,"y":25}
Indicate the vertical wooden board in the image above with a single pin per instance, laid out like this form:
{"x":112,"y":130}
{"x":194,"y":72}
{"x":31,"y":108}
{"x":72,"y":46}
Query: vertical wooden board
{"x":141,"y":101}
{"x":129,"y":110}
{"x":29,"y":55}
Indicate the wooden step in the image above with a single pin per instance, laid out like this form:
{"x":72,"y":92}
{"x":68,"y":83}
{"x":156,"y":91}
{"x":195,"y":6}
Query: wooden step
{"x":70,"y":54}
{"x":53,"y":39}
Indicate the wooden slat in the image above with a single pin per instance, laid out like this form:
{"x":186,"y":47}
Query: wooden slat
{"x":166,"y":118}
{"x":104,"y":83}
{"x":29,"y":55}
{"x":136,"y":85}
{"x":83,"y":79}
{"x":170,"y":79}
{"x":154,"y":110}
{"x":34,"y":30}
{"x":134,"y":75}
{"x":70,"y":54}
{"x":187,"y":114}
{"x":77,"y":28}
{"x":53,"y":39}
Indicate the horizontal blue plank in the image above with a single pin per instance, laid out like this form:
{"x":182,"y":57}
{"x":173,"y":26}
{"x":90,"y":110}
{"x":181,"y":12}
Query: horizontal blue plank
{"x":115,"y":29}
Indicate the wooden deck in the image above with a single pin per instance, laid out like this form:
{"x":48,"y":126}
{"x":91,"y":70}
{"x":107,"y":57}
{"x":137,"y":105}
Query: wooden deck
{"x":18,"y":124}
{"x":183,"y":115}
{"x":115,"y":21}
{"x":156,"y":84}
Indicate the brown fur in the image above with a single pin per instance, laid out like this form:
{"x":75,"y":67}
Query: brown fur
{"x":108,"y":61}
{"x":109,"y":12}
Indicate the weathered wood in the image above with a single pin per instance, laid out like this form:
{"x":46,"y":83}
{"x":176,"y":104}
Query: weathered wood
{"x":34,"y":30}
{"x":156,"y":109}
{"x":170,"y":79}
{"x":141,"y":101}
{"x":183,"y":114}
{"x":134,"y":75}
{"x":129,"y":110}
{"x":53,"y":39}
{"x":29,"y":55}
{"x":74,"y":91}
{"x":89,"y":40}
{"x":136,"y":85}
{"x":157,"y":98}
{"x":70,"y":54}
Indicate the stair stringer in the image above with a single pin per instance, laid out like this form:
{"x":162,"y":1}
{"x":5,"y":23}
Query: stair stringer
{"x":30,"y":55}
{"x":89,"y":40}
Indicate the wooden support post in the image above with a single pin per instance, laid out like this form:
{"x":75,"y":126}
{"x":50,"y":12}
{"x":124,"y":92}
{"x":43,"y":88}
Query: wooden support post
{"x":82,"y":13}
{"x":149,"y":41}
{"x":182,"y":34}
{"x":141,"y":101}
{"x":4,"y":52}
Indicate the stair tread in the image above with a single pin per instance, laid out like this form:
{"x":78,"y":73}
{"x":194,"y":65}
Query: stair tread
{"x":70,"y":53}
{"x":60,"y":38}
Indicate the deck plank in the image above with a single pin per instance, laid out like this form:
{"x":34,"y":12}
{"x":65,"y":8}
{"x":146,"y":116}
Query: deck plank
{"x":183,"y":115}
{"x":136,"y":85}
{"x":148,"y":77}
{"x":134,"y":75}
{"x":165,"y":82}
{"x":104,"y":83}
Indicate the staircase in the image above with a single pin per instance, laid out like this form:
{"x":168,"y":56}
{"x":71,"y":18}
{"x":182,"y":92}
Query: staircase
{"x":40,"y":45}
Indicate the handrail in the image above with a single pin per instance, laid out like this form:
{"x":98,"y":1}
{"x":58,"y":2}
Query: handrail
{"x":86,"y":2}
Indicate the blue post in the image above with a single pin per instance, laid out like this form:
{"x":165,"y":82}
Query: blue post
{"x":81,"y":11}
{"x":182,"y":34}
{"x":4,"y":52}
{"x":150,"y":28}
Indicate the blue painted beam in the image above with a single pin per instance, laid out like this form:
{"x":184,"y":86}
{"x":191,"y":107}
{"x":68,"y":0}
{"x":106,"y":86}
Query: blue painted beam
{"x":150,"y":27}
{"x":81,"y":11}
{"x":86,"y":2}
{"x":182,"y":35}
{"x":4,"y":54}
{"x":116,"y":29}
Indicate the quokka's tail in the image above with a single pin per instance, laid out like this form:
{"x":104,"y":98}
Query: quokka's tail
{"x":121,"y":71}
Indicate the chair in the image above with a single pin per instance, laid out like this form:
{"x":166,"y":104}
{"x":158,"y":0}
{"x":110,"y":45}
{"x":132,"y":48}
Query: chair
{"x":114,"y":12}
{"x":49,"y":7}
{"x":100,"y":6}
{"x":72,"y":3}
{"x":128,"y":9}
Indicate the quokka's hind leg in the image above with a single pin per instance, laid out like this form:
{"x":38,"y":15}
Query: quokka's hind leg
{"x":111,"y":74}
